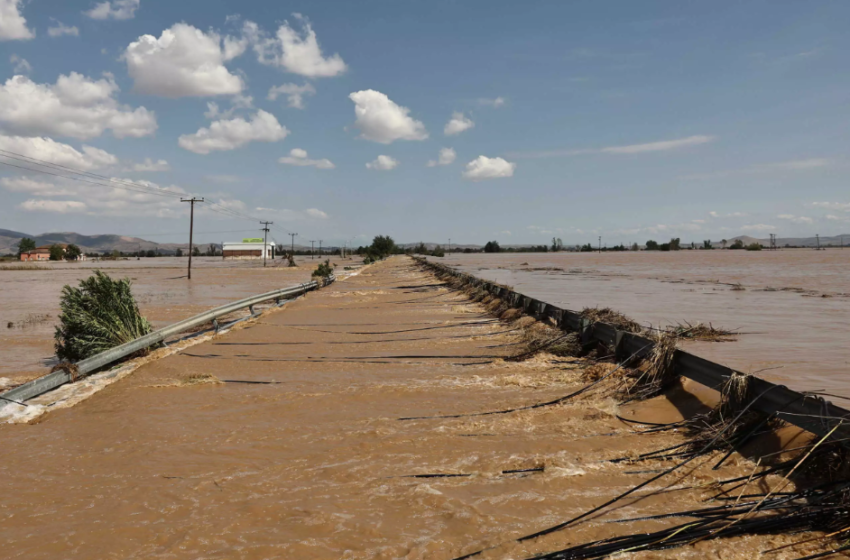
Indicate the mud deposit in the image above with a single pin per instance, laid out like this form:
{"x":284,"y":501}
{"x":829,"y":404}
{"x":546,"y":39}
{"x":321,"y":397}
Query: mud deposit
{"x":283,"y":440}
{"x":29,"y":299}
{"x":790,"y":308}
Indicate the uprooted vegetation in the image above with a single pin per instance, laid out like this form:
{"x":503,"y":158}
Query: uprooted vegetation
{"x":802,"y":488}
{"x":611,"y":317}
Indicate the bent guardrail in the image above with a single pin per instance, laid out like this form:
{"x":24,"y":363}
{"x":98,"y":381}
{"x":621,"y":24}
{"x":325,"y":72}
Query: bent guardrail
{"x":804,"y":410}
{"x":58,"y":378}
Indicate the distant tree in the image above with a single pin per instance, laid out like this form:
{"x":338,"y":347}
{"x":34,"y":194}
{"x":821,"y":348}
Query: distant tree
{"x":211,"y":250}
{"x":178,"y":252}
{"x":150,"y":253}
{"x":586,"y":248}
{"x":738,"y":244}
{"x":438,"y":252}
{"x":383,"y":246}
{"x":723,"y":243}
{"x":115,"y":254}
{"x":557,"y":244}
{"x":706,"y":244}
{"x":675,"y":244}
{"x":652,"y":245}
{"x":664,"y":247}
{"x":57,"y":253}
{"x":492,"y":247}
{"x":635,"y":247}
{"x":72,"y":252}
{"x":421,"y":249}
{"x":196,"y":252}
{"x":754,"y":247}
{"x":25,"y":245}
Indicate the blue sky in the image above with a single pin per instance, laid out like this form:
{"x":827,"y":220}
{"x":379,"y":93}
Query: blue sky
{"x":630,"y":120}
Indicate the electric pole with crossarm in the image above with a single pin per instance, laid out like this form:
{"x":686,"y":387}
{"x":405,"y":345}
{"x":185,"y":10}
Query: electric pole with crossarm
{"x":191,"y":202}
{"x":265,"y":231}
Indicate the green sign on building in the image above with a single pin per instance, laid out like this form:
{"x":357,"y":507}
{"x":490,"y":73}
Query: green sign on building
{"x":252,"y":240}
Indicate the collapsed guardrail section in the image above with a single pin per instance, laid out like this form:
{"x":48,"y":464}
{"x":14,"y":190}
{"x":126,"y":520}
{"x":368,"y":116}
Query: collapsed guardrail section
{"x":55,"y":379}
{"x":808,"y":411}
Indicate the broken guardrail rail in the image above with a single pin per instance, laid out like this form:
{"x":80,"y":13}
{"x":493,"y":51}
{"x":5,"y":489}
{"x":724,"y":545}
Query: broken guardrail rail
{"x":808,"y":411}
{"x":57,"y":378}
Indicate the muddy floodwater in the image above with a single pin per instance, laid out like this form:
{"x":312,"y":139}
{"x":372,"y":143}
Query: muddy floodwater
{"x":346,"y":425}
{"x":29,"y":299}
{"x":790,"y":308}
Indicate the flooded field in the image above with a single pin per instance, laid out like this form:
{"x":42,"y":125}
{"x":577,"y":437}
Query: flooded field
{"x":347,"y":425}
{"x":29,"y":298}
{"x":790,"y":308}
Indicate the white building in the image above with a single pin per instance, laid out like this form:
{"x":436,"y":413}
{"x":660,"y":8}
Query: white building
{"x":248,"y":249}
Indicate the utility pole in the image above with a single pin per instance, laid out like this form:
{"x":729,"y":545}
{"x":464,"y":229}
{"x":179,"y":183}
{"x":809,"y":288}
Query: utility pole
{"x":265,"y":231}
{"x":320,"y":248}
{"x":600,"y":244}
{"x":191,"y":202}
{"x":817,"y":236}
{"x":292,"y":246}
{"x":312,"y":247}
{"x":450,"y":244}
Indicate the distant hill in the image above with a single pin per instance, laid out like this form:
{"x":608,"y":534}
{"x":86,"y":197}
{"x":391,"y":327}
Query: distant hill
{"x":91,"y":243}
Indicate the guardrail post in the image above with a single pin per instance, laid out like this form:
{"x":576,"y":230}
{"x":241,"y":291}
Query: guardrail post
{"x":215,"y":325}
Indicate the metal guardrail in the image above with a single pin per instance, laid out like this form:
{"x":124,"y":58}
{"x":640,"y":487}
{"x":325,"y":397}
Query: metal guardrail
{"x":55,"y":379}
{"x":805,"y":410}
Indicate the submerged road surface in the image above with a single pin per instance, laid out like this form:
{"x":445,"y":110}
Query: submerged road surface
{"x":283,"y":440}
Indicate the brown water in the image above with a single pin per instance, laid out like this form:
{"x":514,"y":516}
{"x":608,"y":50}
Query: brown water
{"x":793,"y":315}
{"x":316,"y":464}
{"x":29,"y":299}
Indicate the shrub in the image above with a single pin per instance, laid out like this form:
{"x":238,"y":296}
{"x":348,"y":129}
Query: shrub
{"x":754,"y":247}
{"x":98,"y":315}
{"x":72,"y":252}
{"x":57,"y":253}
{"x":492,"y":247}
{"x":324,"y":270}
{"x":738,"y":244}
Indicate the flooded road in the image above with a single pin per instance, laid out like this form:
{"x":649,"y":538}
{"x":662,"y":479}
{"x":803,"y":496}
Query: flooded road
{"x":283,"y":439}
{"x":29,"y":299}
{"x":792,"y":309}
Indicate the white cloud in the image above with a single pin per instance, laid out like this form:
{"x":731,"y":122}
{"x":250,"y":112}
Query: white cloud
{"x":294,"y":94}
{"x":21,"y":66}
{"x":238,"y":101}
{"x":53,"y":206}
{"x":13,"y":26}
{"x":729,"y":215}
{"x":495,"y":103}
{"x":381,"y":120}
{"x":758,"y":227}
{"x":298,"y":157}
{"x":51,"y":151}
{"x":446,"y":157}
{"x":183,"y":62}
{"x":842,"y":206}
{"x":116,"y":9}
{"x":149,"y":165}
{"x":457,"y":124}
{"x":294,"y":51}
{"x":61,"y":29}
{"x":74,"y":106}
{"x":230,"y":134}
{"x":383,"y":163}
{"x":316,"y":213}
{"x":483,"y":167}
{"x":835,"y":218}
{"x":795,"y":219}
{"x":33,"y":187}
{"x":664,"y":145}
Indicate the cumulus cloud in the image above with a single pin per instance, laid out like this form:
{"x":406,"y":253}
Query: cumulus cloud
{"x":795,"y":219}
{"x":729,"y":215}
{"x":13,"y":26}
{"x":446,"y":157}
{"x":316,"y":213}
{"x":295,"y":51}
{"x":183,"y":62}
{"x":842,"y":206}
{"x":21,"y":66}
{"x":298,"y":157}
{"x":758,"y":227}
{"x":149,"y":165}
{"x":74,"y":106}
{"x":381,"y":120}
{"x":238,"y":101}
{"x":383,"y":163}
{"x":495,"y":103}
{"x":294,"y":94}
{"x":457,"y":124}
{"x":54,"y":206}
{"x":116,"y":9}
{"x":33,"y":187}
{"x":483,"y":167}
{"x":61,"y":29}
{"x":49,"y":150}
{"x":231,"y":134}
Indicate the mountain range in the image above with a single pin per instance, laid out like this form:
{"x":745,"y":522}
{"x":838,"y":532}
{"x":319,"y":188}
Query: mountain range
{"x":9,"y":240}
